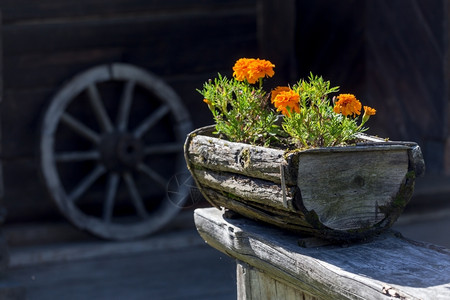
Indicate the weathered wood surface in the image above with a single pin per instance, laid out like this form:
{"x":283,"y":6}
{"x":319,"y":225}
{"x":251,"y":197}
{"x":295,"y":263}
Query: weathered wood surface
{"x":336,"y":192}
{"x":386,"y":267}
{"x":344,"y":199}
{"x":220,"y":155}
{"x":254,"y":284}
{"x":282,"y":218}
{"x":251,"y":189}
{"x":173,"y":265}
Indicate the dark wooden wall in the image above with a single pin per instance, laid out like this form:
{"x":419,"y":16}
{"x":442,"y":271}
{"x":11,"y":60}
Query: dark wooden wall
{"x":330,"y":41}
{"x":47,"y":42}
{"x":407,"y":66}
{"x":393,"y":54}
{"x":2,"y":188}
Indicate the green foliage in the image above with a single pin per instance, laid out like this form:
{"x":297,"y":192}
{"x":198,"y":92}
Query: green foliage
{"x":316,"y":124}
{"x":241,"y":111}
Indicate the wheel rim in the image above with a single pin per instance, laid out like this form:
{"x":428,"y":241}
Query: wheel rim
{"x":97,"y":166}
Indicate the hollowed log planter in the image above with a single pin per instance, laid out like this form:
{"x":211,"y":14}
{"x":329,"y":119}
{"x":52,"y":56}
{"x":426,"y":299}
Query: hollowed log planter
{"x":338,"y":193}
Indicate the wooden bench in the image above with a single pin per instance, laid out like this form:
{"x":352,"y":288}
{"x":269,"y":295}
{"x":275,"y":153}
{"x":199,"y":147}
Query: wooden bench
{"x":275,"y":264}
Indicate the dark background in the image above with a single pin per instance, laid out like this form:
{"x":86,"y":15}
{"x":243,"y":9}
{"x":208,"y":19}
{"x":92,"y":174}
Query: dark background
{"x":392,"y":54}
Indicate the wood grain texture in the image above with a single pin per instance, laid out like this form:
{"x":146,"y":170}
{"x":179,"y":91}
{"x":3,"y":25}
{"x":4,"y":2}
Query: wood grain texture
{"x":31,"y":11}
{"x":255,"y":190}
{"x":254,"y":284}
{"x":387,"y":265}
{"x":260,"y":212}
{"x":344,"y":199}
{"x":221,"y":155}
{"x":179,"y":271}
{"x":339,"y":193}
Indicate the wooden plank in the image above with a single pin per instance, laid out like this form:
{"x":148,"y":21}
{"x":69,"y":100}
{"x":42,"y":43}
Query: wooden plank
{"x":25,"y":197}
{"x":78,"y":245}
{"x":2,"y":192}
{"x":4,"y":255}
{"x":145,"y":30}
{"x":254,"y":284}
{"x":67,"y":49}
{"x":186,"y":60}
{"x":407,"y":269}
{"x":203,"y":273}
{"x":26,"y":107}
{"x":32,"y":11}
{"x":27,"y":88}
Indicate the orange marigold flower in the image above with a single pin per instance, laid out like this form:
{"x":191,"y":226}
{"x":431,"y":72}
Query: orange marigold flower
{"x":286,"y":101}
{"x":241,"y":68}
{"x":347,"y":104}
{"x":278,"y":90}
{"x":368,"y":111}
{"x":252,"y":69}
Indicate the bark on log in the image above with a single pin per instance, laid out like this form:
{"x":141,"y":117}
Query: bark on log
{"x":220,"y":155}
{"x":340,"y":193}
{"x":295,"y":222}
{"x":255,"y":190}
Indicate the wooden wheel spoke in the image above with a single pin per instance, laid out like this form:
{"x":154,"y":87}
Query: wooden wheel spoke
{"x":99,"y":108}
{"x":135,"y":196}
{"x":153,"y":175}
{"x":164,"y":148}
{"x":80,"y":128}
{"x":73,"y":156}
{"x":111,"y":191}
{"x":151,"y":120}
{"x":116,"y":144}
{"x":86,"y":182}
{"x":125,"y":105}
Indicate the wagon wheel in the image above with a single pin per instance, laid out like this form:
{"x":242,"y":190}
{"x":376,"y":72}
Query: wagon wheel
{"x":111,"y":140}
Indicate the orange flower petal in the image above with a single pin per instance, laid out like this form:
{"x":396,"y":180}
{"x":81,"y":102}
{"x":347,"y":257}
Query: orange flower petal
{"x":347,"y":104}
{"x":286,"y":101}
{"x":369,"y":111}
{"x":252,"y":69}
{"x":278,"y":90}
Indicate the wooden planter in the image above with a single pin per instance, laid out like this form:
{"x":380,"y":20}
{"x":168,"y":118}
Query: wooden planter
{"x":338,"y":193}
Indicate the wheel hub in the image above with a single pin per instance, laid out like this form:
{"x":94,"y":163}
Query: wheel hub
{"x":121,"y":152}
